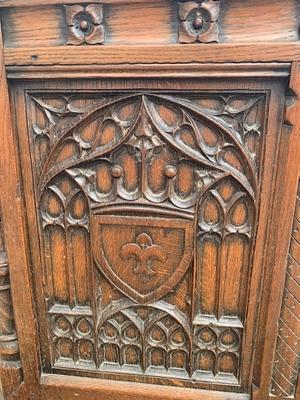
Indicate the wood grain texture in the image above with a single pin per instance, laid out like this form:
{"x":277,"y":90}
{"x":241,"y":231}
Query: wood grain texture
{"x":146,"y":202}
{"x":286,"y":363}
{"x":47,"y":110}
{"x":139,"y":171}
{"x":10,"y":366}
{"x":47,"y":22}
{"x":229,"y":70}
{"x":158,"y":22}
{"x":270,"y":310}
{"x":54,"y":386}
{"x":23,"y":3}
{"x":16,"y":384}
{"x":256,"y":21}
{"x":262,"y":52}
{"x":150,"y":23}
{"x":155,"y":22}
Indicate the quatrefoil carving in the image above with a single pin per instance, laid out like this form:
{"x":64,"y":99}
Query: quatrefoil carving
{"x":85,"y":24}
{"x":198,"y":21}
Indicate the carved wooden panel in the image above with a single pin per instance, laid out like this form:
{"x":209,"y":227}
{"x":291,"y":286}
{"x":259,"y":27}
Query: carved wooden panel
{"x":147,"y":206}
{"x":286,"y":364}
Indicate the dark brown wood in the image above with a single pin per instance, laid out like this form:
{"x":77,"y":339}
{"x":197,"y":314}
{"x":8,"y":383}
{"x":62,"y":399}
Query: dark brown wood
{"x":19,"y":374}
{"x":65,"y":387}
{"x":272,"y":299}
{"x":286,"y":362}
{"x":117,"y":173}
{"x":95,"y":195}
{"x":149,"y":173}
{"x":10,"y":366}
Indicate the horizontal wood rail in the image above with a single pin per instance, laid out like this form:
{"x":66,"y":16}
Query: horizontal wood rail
{"x":137,"y":54}
{"x":68,"y":388}
{"x":257,"y":70}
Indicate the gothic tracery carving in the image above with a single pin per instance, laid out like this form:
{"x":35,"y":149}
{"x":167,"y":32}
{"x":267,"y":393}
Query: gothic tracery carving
{"x":189,"y":163}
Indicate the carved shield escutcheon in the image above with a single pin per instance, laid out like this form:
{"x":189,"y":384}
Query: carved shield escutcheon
{"x":144,"y":258}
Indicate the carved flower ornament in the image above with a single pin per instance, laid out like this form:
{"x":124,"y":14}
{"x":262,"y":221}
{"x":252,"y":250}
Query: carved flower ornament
{"x":199,"y":21}
{"x":85,"y":24}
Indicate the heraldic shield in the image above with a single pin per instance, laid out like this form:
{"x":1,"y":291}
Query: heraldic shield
{"x":144,"y":258}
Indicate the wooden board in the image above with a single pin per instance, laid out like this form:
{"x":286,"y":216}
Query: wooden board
{"x":149,"y":200}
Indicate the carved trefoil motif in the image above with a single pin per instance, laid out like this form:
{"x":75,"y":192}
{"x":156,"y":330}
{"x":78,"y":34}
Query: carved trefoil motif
{"x":73,"y":338}
{"x":216,"y":351}
{"x":85,"y":24}
{"x":199,"y":21}
{"x":156,"y":190}
{"x":149,"y":342}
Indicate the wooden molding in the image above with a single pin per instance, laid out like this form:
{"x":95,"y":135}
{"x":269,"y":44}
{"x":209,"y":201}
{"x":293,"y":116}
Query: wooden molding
{"x":66,"y":387}
{"x":255,"y":70}
{"x":270,"y":313}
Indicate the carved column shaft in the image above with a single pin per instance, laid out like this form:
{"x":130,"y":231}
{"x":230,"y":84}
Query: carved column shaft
{"x":10,"y":365}
{"x":8,"y":338}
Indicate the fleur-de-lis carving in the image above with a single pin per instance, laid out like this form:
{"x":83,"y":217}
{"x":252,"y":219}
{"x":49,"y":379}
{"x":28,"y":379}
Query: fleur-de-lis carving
{"x":145,"y":253}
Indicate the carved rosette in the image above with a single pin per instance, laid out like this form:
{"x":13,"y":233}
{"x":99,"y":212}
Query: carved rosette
{"x":199,"y":21}
{"x":85,"y":24}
